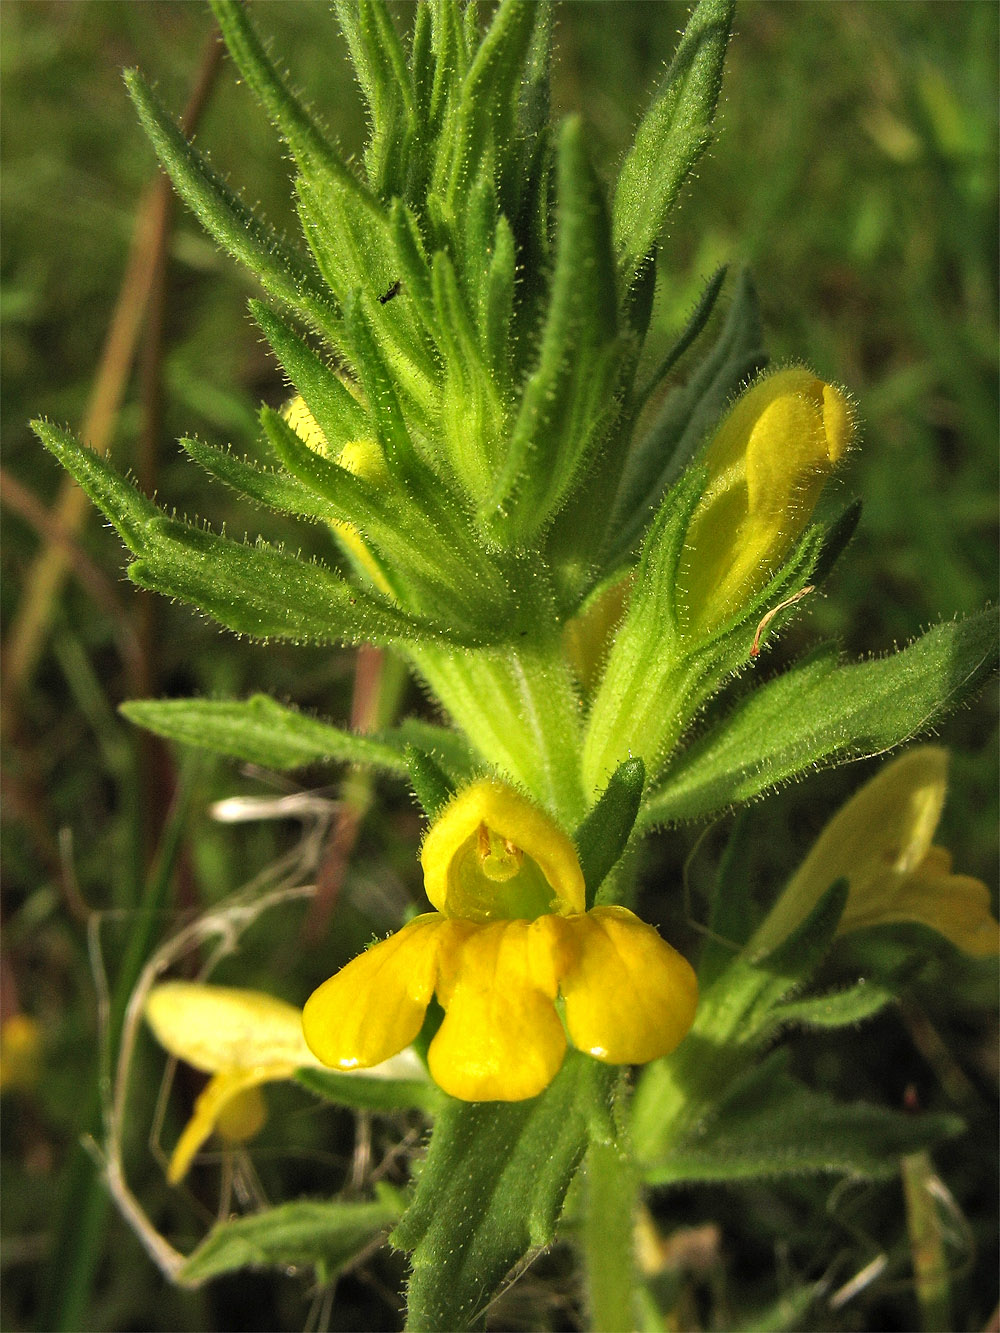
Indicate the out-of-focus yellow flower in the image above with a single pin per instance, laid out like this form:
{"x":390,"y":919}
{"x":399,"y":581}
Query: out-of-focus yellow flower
{"x":363,"y":458}
{"x":243,"y":1038}
{"x":880,"y":842}
{"x":514,"y":959}
{"x":767,"y":465}
{"x":20,"y":1053}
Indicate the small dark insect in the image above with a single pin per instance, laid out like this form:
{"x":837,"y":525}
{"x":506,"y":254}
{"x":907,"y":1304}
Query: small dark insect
{"x":394,"y":290}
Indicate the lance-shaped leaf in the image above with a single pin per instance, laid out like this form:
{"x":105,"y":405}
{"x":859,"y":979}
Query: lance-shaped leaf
{"x":328,"y":1235}
{"x":264,"y":486}
{"x":773,"y":1125}
{"x":261,"y":731}
{"x":603,"y":836}
{"x":491,"y":1190}
{"x":261,"y":590}
{"x":472,"y":418}
{"x":338,"y":413}
{"x":822,"y":711}
{"x":569,"y":399}
{"x":310,"y":147}
{"x":235,"y":227}
{"x":695,"y":323}
{"x":385,"y":1095}
{"x":485,"y":109}
{"x":672,"y":136}
{"x":380,"y":63}
{"x":676,"y":1095}
{"x":257,"y":590}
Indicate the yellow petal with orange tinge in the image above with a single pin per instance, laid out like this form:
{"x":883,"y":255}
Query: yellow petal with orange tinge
{"x":629,"y":997}
{"x":375,"y":1005}
{"x":501,"y":1039}
{"x":218,"y":1096}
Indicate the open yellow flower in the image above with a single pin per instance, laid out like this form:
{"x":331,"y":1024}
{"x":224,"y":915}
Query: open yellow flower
{"x":880,"y":842}
{"x":767,"y":464}
{"x":243,"y":1038}
{"x":515,"y":961}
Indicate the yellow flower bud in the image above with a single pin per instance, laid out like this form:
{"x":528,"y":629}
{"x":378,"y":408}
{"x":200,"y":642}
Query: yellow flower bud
{"x":880,"y":842}
{"x":364,"y":459}
{"x":766,"y":468}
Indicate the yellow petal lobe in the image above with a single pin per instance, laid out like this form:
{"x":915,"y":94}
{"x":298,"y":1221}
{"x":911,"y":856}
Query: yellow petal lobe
{"x":501,"y":1039}
{"x":629,"y":997}
{"x":375,"y":1006}
{"x":219,"y":1093}
{"x":880,"y":842}
{"x":216,"y":1028}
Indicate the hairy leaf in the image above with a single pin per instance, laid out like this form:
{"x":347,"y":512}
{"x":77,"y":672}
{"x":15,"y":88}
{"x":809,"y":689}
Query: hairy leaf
{"x":303,"y":1232}
{"x":825,"y":712}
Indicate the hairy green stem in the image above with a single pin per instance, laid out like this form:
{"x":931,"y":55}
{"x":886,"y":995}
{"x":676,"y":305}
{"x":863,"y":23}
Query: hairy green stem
{"x":520,"y":710}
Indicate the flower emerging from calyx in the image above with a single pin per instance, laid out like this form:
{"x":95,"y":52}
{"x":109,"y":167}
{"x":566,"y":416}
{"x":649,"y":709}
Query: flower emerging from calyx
{"x":243,"y":1038}
{"x":515,"y":961}
{"x":880,"y":842}
{"x":767,"y":464}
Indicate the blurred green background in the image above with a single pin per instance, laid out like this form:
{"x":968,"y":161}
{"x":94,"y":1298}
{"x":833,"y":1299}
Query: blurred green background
{"x":855,"y":174}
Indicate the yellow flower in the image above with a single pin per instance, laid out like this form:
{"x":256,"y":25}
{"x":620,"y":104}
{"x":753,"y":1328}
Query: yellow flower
{"x":766,"y":465}
{"x":880,"y":842}
{"x":20,"y":1052}
{"x":243,"y":1038}
{"x":514,"y":959}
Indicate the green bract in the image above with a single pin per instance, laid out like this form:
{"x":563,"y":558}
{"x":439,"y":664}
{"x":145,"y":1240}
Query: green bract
{"x":509,"y":484}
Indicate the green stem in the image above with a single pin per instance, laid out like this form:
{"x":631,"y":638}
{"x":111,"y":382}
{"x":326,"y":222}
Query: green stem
{"x":520,"y":711}
{"x":609,"y":1237}
{"x":930,"y":1263}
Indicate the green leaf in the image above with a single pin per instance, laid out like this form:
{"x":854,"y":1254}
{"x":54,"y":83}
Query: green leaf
{"x":430,"y":783}
{"x":491,"y":1190}
{"x":602,"y":837}
{"x":265,"y":486}
{"x":658,"y":456}
{"x":696,"y":322}
{"x":672,"y":136}
{"x":338,"y":413}
{"x":261,"y":731}
{"x":568,"y":401}
{"x":310,"y":146}
{"x":775,"y":1126}
{"x":822,"y":712}
{"x":837,"y":1009}
{"x":386,"y":1095}
{"x":235,"y":227}
{"x":261,"y":591}
{"x":486,"y":106}
{"x":674,"y":1095}
{"x":119,"y":500}
{"x":302,"y":1232}
{"x":472,"y":419}
{"x":380,"y":62}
